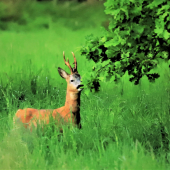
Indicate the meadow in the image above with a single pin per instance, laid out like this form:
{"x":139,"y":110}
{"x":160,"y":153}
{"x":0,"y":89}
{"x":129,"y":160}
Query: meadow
{"x":123,"y":126}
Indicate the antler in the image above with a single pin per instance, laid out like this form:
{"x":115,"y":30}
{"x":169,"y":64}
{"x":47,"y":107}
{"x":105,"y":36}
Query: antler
{"x":67,"y":63}
{"x":75,"y":63}
{"x":73,"y":70}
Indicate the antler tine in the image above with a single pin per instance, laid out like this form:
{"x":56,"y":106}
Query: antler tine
{"x":75,"y":62}
{"x":67,"y":63}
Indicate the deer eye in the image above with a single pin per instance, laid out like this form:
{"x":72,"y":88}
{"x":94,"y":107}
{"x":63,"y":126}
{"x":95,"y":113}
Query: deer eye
{"x":72,"y":80}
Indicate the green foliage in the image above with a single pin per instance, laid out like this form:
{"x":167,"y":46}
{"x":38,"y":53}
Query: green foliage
{"x":138,"y":37}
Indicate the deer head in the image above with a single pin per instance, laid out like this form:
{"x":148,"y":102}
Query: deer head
{"x":73,"y":79}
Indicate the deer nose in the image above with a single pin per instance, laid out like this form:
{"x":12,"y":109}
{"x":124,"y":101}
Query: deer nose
{"x":79,"y":86}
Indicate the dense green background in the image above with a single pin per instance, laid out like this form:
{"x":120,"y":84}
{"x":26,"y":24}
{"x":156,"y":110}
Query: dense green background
{"x":124,"y":126}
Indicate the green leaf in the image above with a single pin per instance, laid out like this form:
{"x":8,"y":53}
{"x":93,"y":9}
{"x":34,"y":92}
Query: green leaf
{"x":166,"y":34}
{"x":125,"y":11}
{"x":102,"y":78}
{"x":158,"y":31}
{"x":103,"y":39}
{"x":112,"y":42}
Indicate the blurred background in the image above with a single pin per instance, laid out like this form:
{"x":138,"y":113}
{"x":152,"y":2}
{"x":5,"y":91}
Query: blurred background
{"x":27,"y":15}
{"x":38,"y":31}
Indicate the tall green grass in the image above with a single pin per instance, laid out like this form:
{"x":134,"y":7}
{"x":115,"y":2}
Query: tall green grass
{"x":123,"y":126}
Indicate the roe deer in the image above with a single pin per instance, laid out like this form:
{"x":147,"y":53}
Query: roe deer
{"x":70,"y":112}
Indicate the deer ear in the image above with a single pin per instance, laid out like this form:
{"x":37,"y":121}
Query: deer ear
{"x":62,"y":73}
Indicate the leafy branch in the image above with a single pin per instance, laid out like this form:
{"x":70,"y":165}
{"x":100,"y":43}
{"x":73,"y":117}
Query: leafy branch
{"x":137,"y":40}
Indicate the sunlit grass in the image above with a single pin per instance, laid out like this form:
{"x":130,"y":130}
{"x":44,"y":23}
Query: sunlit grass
{"x":120,"y":131}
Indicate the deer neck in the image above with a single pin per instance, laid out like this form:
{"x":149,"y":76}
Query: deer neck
{"x":73,"y":101}
{"x":73,"y":105}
